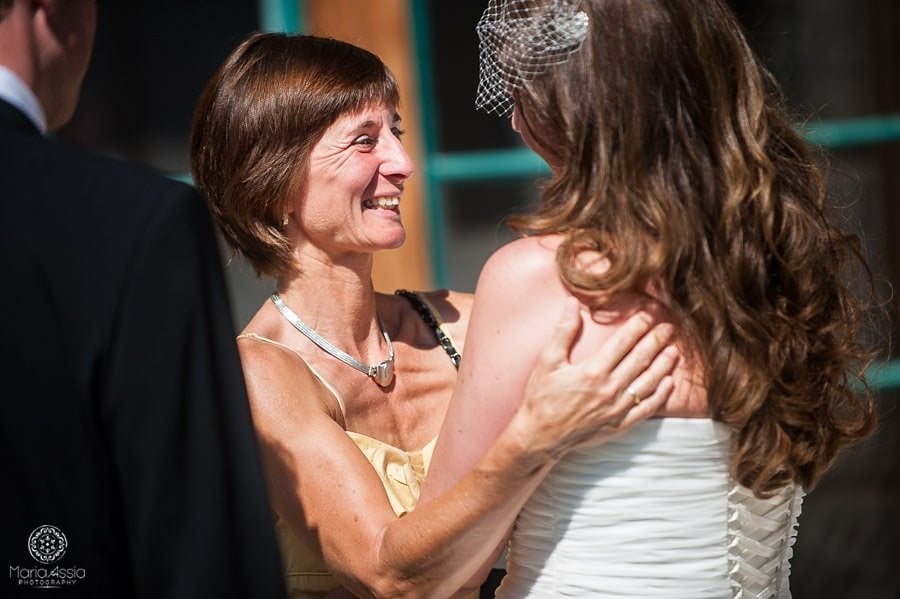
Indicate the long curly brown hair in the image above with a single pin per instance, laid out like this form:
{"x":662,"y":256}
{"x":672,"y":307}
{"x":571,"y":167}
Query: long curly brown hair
{"x":679,"y":164}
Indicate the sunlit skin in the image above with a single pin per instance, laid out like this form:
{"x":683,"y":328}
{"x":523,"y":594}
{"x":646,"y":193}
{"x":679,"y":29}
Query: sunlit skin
{"x":356,"y":175}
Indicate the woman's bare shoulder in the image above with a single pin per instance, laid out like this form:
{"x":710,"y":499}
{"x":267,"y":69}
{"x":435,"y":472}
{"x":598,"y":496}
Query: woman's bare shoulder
{"x":531,"y":251}
{"x":277,"y":378}
{"x":524,"y":268}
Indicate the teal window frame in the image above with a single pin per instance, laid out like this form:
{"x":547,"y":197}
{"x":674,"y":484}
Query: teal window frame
{"x":282,"y":15}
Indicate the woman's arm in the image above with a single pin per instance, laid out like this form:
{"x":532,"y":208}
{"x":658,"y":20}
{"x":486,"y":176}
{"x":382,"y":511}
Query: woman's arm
{"x":328,"y":493}
{"x":511,"y":324}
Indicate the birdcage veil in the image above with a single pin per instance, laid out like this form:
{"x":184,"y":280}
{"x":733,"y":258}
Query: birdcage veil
{"x":520,"y":39}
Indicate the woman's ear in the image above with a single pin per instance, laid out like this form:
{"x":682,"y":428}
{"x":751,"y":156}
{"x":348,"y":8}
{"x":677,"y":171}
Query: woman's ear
{"x":516,"y":120}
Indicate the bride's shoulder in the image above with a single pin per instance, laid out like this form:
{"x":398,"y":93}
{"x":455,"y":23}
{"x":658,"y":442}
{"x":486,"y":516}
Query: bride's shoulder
{"x":537,"y":247}
{"x":527,"y":260}
{"x":520,"y":281}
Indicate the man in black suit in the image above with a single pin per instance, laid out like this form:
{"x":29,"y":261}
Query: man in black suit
{"x":129,"y":464}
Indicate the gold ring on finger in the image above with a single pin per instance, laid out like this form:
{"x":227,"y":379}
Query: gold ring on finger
{"x":634,"y":395}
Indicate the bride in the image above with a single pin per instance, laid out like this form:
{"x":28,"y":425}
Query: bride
{"x":677,"y":179}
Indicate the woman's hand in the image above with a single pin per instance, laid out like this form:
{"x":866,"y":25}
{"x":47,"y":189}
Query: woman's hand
{"x":568,"y":405}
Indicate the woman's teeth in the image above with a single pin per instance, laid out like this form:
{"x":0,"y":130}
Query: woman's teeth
{"x":386,"y":203}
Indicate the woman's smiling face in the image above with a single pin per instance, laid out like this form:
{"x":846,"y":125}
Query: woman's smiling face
{"x":355,"y":180}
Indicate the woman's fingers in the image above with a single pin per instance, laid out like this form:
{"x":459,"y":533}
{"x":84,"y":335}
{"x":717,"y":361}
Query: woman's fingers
{"x":647,"y":406}
{"x":560,"y":345}
{"x":640,"y":383}
{"x":630,"y":334}
{"x":645,"y":383}
{"x":611,"y":369}
{"x":627,"y":413}
{"x":636,"y":388}
{"x":646,"y":353}
{"x":623,"y":383}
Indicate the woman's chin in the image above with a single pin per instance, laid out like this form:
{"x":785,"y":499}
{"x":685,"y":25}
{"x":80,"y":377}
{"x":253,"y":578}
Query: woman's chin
{"x":389,"y":240}
{"x":396,"y":242}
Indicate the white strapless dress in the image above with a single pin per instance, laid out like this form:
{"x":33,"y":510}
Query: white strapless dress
{"x":652,"y":514}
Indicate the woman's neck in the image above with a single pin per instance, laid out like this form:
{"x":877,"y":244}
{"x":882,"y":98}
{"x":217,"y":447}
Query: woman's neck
{"x":337,"y":300}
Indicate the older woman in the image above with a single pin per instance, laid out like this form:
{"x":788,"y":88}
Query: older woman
{"x":296,"y":143}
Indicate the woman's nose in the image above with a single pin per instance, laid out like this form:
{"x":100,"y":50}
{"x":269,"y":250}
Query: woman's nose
{"x":397,"y":162}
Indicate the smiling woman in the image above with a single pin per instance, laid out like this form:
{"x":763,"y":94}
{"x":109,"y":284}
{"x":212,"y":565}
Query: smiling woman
{"x":276,"y":115}
{"x":296,"y":144}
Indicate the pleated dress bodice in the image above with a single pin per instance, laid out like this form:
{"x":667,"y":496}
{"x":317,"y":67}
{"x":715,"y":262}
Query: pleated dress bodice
{"x":653,"y":513}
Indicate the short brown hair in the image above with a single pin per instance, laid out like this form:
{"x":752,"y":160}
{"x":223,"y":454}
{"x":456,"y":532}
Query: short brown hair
{"x":257,"y":121}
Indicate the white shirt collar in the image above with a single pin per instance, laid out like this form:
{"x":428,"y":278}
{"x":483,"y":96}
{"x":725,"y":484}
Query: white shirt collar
{"x":14,"y":91}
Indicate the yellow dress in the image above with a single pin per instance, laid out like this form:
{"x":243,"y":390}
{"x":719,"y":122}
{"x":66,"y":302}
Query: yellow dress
{"x":401,"y":472}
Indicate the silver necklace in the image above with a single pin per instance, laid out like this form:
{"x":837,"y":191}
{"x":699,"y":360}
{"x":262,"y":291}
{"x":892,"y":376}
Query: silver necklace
{"x":382,"y":373}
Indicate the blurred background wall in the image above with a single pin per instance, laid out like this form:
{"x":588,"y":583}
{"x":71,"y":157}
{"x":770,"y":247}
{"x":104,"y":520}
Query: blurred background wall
{"x":837,"y":61}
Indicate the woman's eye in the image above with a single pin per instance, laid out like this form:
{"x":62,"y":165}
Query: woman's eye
{"x":365,"y":140}
{"x":398,"y":132}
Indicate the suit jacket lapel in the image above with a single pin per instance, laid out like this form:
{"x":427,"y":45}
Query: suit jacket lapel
{"x":12,"y":118}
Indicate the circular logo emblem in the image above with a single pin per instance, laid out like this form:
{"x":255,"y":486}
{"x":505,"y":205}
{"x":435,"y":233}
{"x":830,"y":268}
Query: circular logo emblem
{"x":47,"y":544}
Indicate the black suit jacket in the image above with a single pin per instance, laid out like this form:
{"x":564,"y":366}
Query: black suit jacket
{"x":125,"y":425}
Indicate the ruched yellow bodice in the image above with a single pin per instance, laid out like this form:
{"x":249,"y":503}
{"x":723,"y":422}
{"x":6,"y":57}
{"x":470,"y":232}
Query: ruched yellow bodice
{"x":401,"y":472}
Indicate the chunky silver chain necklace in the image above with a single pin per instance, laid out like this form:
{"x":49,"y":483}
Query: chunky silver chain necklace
{"x":382,"y":373}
